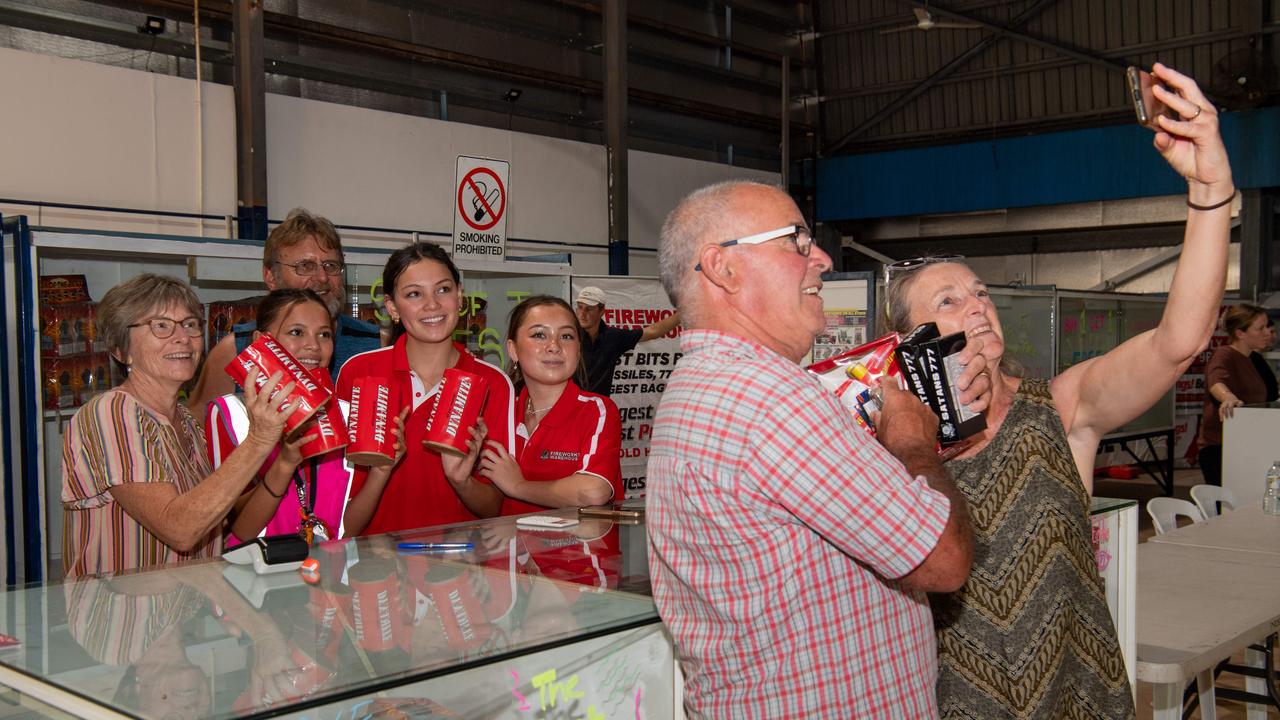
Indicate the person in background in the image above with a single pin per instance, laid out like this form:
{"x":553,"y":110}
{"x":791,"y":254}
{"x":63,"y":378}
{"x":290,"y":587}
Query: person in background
{"x":1029,"y":634}
{"x":1231,"y":380}
{"x":303,"y":252}
{"x":423,"y":297}
{"x":290,"y":495}
{"x":790,"y":552}
{"x":136,"y":490}
{"x":1263,"y":367}
{"x":568,"y":442}
{"x":603,"y":345}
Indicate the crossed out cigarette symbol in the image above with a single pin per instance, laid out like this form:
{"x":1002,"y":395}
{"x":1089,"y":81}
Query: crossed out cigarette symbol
{"x":481,"y":207}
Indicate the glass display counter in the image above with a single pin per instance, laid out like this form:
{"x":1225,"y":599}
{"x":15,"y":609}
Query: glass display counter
{"x":525,"y":624}
{"x":1114,"y":526}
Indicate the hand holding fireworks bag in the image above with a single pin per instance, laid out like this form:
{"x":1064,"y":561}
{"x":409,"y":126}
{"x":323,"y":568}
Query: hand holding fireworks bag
{"x":854,"y":377}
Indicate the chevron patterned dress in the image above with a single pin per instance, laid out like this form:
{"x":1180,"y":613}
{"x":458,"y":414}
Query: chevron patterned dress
{"x":1029,"y":635}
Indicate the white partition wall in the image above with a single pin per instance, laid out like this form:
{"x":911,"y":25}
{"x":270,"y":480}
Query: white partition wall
{"x":1249,"y":447}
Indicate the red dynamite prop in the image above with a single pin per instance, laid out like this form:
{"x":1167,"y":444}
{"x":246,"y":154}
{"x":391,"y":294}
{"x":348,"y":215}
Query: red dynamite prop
{"x":376,"y":607}
{"x":369,"y":436}
{"x":270,"y":357}
{"x":450,"y":589}
{"x":457,"y":410}
{"x":330,"y":429}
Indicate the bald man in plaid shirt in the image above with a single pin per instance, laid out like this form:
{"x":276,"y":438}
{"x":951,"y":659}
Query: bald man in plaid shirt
{"x":790,"y":551}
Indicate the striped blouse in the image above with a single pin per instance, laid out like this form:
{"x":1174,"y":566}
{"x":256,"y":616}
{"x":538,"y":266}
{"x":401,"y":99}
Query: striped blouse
{"x":113,"y":439}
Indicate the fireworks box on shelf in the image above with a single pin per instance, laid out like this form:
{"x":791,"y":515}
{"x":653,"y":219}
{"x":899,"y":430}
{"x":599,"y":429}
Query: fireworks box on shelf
{"x":72,"y":381}
{"x":69,"y":329}
{"x":226,"y":314}
{"x":62,"y":289}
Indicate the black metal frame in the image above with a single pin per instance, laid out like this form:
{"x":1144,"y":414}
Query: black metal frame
{"x":1191,"y":696}
{"x":1160,"y":470}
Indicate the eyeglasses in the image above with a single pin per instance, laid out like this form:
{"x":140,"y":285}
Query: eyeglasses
{"x":799,"y":236}
{"x":916,"y":263}
{"x":163,"y":327}
{"x":307,"y":268}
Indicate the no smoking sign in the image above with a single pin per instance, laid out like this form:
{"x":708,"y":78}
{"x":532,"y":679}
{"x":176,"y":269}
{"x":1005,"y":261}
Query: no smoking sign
{"x":480,"y":208}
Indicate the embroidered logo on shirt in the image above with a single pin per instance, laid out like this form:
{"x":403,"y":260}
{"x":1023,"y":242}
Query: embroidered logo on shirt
{"x":561,"y":455}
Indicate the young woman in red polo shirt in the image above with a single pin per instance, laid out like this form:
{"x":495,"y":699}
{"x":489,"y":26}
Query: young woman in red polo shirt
{"x":424,"y":298}
{"x":568,"y":440}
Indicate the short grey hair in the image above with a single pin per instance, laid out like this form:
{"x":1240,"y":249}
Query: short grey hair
{"x":130,"y":301}
{"x":703,"y":216}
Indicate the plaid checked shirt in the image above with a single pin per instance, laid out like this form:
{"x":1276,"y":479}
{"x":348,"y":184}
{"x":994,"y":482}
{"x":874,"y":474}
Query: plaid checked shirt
{"x":773,"y":523}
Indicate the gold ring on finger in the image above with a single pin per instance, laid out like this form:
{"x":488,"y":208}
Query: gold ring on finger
{"x":1198,"y":111}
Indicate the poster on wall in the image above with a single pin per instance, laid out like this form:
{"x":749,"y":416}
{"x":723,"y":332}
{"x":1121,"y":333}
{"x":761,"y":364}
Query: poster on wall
{"x":641,"y":375}
{"x":846,"y":329}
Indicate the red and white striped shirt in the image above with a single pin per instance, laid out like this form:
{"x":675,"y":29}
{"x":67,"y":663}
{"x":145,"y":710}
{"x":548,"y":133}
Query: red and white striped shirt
{"x":776,"y":528}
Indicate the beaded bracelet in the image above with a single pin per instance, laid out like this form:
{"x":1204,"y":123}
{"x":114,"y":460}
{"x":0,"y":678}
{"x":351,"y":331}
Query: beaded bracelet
{"x":1214,"y":206}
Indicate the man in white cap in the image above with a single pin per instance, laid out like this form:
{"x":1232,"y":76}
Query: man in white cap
{"x":603,"y":345}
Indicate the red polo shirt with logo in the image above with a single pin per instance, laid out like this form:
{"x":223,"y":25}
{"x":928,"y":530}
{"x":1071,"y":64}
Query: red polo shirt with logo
{"x":417,"y":493}
{"x":581,"y":434}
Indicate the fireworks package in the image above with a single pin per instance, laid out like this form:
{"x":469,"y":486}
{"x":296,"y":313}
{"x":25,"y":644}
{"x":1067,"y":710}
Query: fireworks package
{"x":852,"y":376}
{"x":269,"y":357}
{"x":928,"y":362}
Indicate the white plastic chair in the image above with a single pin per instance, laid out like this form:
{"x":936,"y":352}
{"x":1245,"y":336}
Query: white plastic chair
{"x":1165,"y":510}
{"x":1207,"y":498}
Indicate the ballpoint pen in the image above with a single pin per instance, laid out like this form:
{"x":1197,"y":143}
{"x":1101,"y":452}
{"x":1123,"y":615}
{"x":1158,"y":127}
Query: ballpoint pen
{"x":435,"y":546}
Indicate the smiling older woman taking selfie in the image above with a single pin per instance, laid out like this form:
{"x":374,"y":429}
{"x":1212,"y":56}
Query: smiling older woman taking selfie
{"x":137,"y":489}
{"x":1029,"y":634}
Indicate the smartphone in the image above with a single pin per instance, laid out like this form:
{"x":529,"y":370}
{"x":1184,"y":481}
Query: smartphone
{"x":1145,"y":105}
{"x":608,"y":513}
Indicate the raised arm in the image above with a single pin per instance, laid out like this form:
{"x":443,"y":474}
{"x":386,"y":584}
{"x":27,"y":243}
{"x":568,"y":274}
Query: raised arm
{"x":660,"y":328}
{"x":1099,"y":395}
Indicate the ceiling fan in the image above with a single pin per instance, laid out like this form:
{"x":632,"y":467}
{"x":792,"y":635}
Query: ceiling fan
{"x":925,"y":21}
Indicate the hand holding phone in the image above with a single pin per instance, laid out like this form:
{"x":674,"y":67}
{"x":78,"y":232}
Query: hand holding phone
{"x":1145,"y":104}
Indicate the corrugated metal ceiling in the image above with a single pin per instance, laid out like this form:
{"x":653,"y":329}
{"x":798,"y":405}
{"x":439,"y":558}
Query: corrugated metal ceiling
{"x":1021,"y":65}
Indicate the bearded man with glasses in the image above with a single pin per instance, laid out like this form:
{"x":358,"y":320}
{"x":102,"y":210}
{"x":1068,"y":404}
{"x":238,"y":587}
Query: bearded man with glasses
{"x":305,"y":253}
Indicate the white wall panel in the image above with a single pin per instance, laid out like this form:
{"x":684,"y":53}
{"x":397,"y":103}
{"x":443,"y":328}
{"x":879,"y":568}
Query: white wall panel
{"x":78,"y":132}
{"x":84,"y":133}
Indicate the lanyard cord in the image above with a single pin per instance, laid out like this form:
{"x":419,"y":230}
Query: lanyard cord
{"x":306,"y":501}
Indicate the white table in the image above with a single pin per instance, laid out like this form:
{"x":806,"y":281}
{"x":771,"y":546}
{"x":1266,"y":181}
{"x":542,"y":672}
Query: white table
{"x":1205,"y":592}
{"x":1245,"y":529}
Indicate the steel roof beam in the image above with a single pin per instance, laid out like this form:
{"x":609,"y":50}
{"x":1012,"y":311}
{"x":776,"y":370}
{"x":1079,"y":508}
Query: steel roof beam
{"x":1051,"y":63}
{"x":278,"y":24}
{"x":1011,"y":31}
{"x":657,"y":27}
{"x":938,"y":75}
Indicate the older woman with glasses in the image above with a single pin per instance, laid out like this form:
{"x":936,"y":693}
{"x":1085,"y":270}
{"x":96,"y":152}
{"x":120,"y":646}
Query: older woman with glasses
{"x":1029,"y":634}
{"x":137,"y":489}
